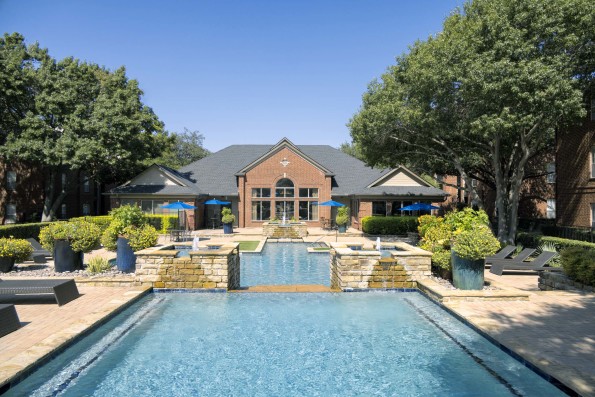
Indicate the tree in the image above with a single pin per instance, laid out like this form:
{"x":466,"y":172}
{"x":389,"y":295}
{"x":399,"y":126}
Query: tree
{"x":351,"y":149}
{"x":182,"y":149}
{"x":485,"y":96}
{"x":83,"y":117}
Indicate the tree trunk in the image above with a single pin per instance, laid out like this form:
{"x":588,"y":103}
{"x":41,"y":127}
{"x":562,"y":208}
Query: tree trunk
{"x":51,"y":202}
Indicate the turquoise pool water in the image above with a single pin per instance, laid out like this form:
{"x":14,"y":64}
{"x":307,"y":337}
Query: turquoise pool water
{"x":358,"y":344}
{"x":284,"y":263}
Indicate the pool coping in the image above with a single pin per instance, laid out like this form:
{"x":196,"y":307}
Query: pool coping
{"x":47,"y":349}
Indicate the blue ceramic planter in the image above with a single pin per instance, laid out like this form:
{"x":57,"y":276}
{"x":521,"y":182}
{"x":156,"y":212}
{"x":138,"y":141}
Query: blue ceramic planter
{"x":227,"y":228}
{"x":125,"y":259}
{"x":65,"y":259}
{"x":467,"y":274}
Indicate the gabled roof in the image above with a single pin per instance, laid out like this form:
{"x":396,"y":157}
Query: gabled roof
{"x":180,"y":185}
{"x":284,"y":143}
{"x":400,"y":169}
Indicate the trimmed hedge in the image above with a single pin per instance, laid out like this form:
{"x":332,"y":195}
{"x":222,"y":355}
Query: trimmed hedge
{"x":579,"y":264}
{"x":384,"y":225}
{"x":22,"y":230}
{"x":162,"y":223}
{"x":102,"y":221}
{"x":534,"y":240}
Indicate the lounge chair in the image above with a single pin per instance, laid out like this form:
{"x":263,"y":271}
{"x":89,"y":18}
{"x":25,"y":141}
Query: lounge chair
{"x":9,"y":320}
{"x":538,"y":264}
{"x":39,"y":254}
{"x":502,"y":254}
{"x":63,"y":290}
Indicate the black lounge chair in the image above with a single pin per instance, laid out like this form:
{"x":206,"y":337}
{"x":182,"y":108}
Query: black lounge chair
{"x":9,"y":320}
{"x":502,"y":254}
{"x":39,"y":254}
{"x":63,"y":290}
{"x":538,"y":264}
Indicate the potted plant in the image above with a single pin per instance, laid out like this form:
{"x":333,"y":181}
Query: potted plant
{"x":13,"y":250}
{"x":342,"y":219}
{"x":468,"y":254}
{"x":69,"y":241}
{"x":227,"y":218}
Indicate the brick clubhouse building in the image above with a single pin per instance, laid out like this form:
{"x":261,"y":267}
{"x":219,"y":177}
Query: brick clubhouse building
{"x":282,"y":180}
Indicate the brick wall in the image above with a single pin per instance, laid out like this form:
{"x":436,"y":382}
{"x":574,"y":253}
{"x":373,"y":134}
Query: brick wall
{"x":266,"y":174}
{"x":27,"y":195}
{"x":575,"y":189}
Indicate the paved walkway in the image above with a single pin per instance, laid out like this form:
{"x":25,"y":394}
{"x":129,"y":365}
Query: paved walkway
{"x":554,"y":330}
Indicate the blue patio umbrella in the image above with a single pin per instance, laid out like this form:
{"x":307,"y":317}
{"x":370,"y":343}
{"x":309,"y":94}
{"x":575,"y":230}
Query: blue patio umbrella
{"x":332,"y":203}
{"x":419,"y":207}
{"x":217,"y":202}
{"x":179,"y":206}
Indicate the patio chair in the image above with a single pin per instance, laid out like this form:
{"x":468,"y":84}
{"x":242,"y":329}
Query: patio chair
{"x":538,"y":264}
{"x":502,"y":254}
{"x":39,"y":254}
{"x":9,"y":320}
{"x":64,"y":290}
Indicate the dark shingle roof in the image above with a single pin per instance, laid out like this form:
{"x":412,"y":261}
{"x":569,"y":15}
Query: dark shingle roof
{"x":215,"y":175}
{"x":170,"y":190}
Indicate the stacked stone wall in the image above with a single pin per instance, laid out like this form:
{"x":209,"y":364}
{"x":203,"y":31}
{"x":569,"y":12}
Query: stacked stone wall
{"x":275,"y":230}
{"x":204,"y":269}
{"x":548,"y":281}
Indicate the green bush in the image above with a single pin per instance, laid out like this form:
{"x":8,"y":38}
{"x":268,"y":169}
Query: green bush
{"x":476,"y":243}
{"x":441,"y":258}
{"x":579,"y":264}
{"x":426,"y":222}
{"x":163,"y":223}
{"x":142,"y":237}
{"x":18,"y":249}
{"x":102,"y":221}
{"x":83,"y":236}
{"x":24,"y":230}
{"x":98,"y":265}
{"x":342,"y":217}
{"x":385,"y":225}
{"x":110,"y":235}
{"x":129,"y":215}
{"x":534,"y":240}
{"x":226,"y":216}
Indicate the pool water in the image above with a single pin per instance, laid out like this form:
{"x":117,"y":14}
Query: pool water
{"x":284,"y":263}
{"x":358,"y":344}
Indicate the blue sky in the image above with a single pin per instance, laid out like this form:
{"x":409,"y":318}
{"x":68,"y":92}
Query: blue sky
{"x":238,"y":71}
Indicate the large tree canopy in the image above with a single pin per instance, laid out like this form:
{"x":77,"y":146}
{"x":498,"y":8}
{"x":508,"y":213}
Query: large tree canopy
{"x":484,"y":96}
{"x":72,"y":115}
{"x":181,"y":149}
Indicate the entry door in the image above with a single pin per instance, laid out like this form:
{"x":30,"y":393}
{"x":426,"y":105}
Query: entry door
{"x":284,"y":208}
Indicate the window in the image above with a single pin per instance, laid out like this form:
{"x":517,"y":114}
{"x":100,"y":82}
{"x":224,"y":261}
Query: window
{"x":309,"y":192}
{"x":261,"y":192}
{"x":284,"y":209}
{"x":86,"y":185}
{"x":592,"y":215}
{"x":551,"y":209}
{"x":11,"y":180}
{"x":284,"y":188}
{"x":63,"y":211}
{"x":551,"y":173}
{"x":86,"y":209}
{"x":308,"y":210}
{"x":11,"y":213}
{"x":474,"y":182}
{"x":261,"y":210}
{"x":128,"y":202}
{"x":63,"y":181}
{"x":378,"y":208}
{"x":593,"y":109}
{"x":157,"y":204}
{"x":147,"y":206}
{"x":593,"y":162}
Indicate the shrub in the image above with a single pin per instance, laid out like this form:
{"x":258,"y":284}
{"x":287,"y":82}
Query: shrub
{"x":102,"y":221}
{"x":534,"y":240}
{"x":98,"y":265}
{"x":441,"y":258}
{"x":142,"y":237}
{"x":476,"y":243}
{"x":579,"y":264}
{"x":426,"y":222}
{"x":18,"y":249}
{"x":129,"y":215}
{"x":110,"y":235}
{"x":466,"y":219}
{"x":389,"y":224}
{"x":83,"y":236}
{"x":226,"y":216}
{"x":25,"y":230}
{"x":163,"y":223}
{"x":342,"y":217}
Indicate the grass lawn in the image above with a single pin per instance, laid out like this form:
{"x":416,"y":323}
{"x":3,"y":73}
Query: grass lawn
{"x":247,"y":245}
{"x":322,"y":248}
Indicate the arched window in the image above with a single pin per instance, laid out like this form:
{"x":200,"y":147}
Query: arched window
{"x":284,"y":188}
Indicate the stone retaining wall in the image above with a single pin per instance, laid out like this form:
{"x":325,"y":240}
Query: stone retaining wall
{"x":289,"y":230}
{"x":203,"y":269}
{"x":368,"y":269}
{"x":549,"y":281}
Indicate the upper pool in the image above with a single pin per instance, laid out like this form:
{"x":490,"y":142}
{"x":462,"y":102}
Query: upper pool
{"x":239,"y":344}
{"x":284,"y":263}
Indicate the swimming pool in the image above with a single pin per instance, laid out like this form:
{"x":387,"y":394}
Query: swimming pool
{"x":284,"y":263}
{"x":237,"y":344}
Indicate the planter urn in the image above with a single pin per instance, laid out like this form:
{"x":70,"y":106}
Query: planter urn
{"x":6,"y":263}
{"x":342,"y":228}
{"x":227,"y":228}
{"x":125,"y":258}
{"x":65,"y":258}
{"x":467,"y":274}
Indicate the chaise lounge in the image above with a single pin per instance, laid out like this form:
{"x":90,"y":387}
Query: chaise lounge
{"x":9,"y":320}
{"x":64,"y":290}
{"x":519,"y":263}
